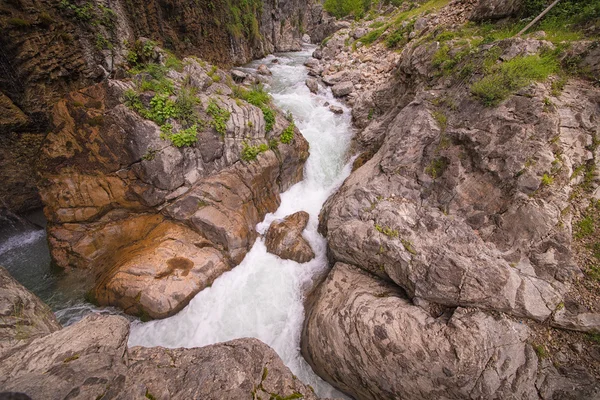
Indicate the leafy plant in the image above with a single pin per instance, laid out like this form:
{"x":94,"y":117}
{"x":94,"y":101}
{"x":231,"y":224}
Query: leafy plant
{"x":287,"y":135}
{"x":249,"y":153}
{"x":219,"y":115}
{"x":161,"y":108}
{"x":185,"y":137}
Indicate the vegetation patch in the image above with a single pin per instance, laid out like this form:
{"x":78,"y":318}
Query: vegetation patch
{"x":287,"y":135}
{"x":504,"y":79}
{"x":250,"y":153}
{"x":219,"y":115}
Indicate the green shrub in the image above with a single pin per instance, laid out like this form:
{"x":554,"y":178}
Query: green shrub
{"x":269,"y":116}
{"x":81,"y":13}
{"x":186,"y":106}
{"x":508,"y":77}
{"x":185,"y":137}
{"x":161,"y":108}
{"x":288,"y":134}
{"x":343,"y":8}
{"x":219,"y":115}
{"x":547,"y":180}
{"x":249,"y":153}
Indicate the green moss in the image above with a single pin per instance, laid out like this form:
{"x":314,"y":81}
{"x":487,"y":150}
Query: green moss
{"x":387,"y":231}
{"x":72,"y":358}
{"x":441,"y":119}
{"x":19,"y":22}
{"x":541,"y":351}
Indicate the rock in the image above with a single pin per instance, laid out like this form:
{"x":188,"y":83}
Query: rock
{"x":264,"y":70}
{"x":284,"y":238}
{"x":570,"y":317}
{"x":238,"y":76}
{"x":306,"y":38}
{"x":342,"y":89}
{"x":105,"y":197}
{"x":90,"y":360}
{"x":318,"y":54}
{"x":495,"y":9}
{"x":275,"y":61}
{"x":341,"y":77}
{"x":359,"y":32}
{"x":364,"y":337}
{"x":312,"y":85}
{"x":173,"y":260}
{"x":336,"y":109}
{"x":24,"y":316}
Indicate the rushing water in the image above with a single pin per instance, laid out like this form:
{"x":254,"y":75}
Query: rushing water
{"x":263,"y":296}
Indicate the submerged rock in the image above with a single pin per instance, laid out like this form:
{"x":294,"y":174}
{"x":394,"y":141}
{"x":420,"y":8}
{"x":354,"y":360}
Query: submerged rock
{"x":284,"y":238}
{"x":312,"y":85}
{"x":264,"y":70}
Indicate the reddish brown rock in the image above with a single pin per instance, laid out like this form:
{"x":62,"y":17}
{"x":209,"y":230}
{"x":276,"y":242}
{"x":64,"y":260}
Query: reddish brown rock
{"x":284,"y":238}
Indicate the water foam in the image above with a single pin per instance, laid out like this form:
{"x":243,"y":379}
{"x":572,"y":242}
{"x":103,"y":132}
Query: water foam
{"x":263,"y":296}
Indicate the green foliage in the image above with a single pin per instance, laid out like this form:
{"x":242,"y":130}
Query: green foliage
{"x":102,"y":43}
{"x":400,"y":36}
{"x":287,"y":135}
{"x":81,"y":13}
{"x":343,"y":8}
{"x":437,"y":167}
{"x":161,"y":108}
{"x":185,"y":137}
{"x":585,"y":227}
{"x":387,"y":231}
{"x":372,"y":36}
{"x":19,"y":22}
{"x":172,"y":62}
{"x":185,"y":106}
{"x":256,"y":96}
{"x":219,"y":115}
{"x":249,"y":153}
{"x":547,"y":180}
{"x":441,"y":119}
{"x":541,"y":351}
{"x":504,"y":79}
{"x":269,"y":116}
{"x":132,"y":100}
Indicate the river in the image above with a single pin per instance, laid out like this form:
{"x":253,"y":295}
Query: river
{"x":263,"y":296}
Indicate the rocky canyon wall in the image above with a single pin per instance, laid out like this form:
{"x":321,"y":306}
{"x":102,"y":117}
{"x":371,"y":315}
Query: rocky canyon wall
{"x":51,"y":47}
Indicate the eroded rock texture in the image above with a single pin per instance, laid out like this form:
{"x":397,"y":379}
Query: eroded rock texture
{"x":91,"y":360}
{"x":284,"y":238}
{"x":157,"y":222}
{"x":465,"y":211}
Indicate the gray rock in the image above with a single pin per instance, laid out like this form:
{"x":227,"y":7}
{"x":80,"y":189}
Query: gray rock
{"x":342,"y":89}
{"x":24,"y":317}
{"x":238,"y":76}
{"x":575,"y":318}
{"x":312,"y":84}
{"x":90,"y":360}
{"x":318,"y":54}
{"x":284,"y":238}
{"x":306,"y":38}
{"x":495,"y":9}
{"x":359,"y":32}
{"x":363,"y":336}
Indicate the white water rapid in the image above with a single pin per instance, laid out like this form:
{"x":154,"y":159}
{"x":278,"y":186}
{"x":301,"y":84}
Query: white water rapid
{"x":263,"y":296}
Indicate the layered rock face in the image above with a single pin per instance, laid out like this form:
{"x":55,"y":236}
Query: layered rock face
{"x":158,"y":222}
{"x":51,"y":47}
{"x":90,"y":360}
{"x":466,"y":212}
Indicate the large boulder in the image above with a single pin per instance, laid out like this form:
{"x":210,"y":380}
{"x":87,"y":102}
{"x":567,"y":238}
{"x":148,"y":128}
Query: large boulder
{"x":366,"y":338}
{"x":110,"y":177}
{"x":24,"y":316}
{"x":342,"y":89}
{"x":90,"y":360}
{"x":284,"y":238}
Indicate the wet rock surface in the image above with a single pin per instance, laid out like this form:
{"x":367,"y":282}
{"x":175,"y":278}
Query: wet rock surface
{"x":284,"y":238}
